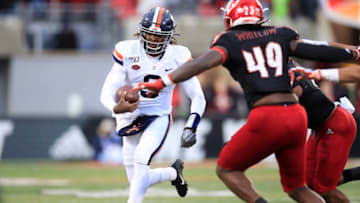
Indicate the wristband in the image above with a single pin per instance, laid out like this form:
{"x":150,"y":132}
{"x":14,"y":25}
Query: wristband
{"x":193,"y":121}
{"x":330,"y":74}
{"x":166,"y":80}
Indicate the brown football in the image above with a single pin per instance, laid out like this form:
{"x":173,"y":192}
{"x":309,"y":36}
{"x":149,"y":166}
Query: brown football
{"x":130,"y":96}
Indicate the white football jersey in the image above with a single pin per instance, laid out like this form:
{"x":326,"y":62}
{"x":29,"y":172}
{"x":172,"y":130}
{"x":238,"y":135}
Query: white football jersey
{"x":133,"y":66}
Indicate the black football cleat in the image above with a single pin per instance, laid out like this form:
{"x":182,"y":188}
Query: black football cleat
{"x":179,"y":183}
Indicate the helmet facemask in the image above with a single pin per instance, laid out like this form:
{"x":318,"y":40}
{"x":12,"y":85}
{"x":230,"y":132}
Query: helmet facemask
{"x":159,"y":22}
{"x":152,"y":47}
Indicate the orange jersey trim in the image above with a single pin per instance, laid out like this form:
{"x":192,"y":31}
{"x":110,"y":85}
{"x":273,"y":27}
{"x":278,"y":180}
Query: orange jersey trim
{"x":118,"y":55}
{"x":221,"y":51}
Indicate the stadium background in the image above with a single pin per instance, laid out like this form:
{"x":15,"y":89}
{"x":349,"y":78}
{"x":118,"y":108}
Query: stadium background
{"x":55,"y":54}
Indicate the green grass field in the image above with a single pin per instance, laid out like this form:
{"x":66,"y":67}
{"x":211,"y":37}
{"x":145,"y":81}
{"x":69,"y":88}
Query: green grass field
{"x":83,"y":182}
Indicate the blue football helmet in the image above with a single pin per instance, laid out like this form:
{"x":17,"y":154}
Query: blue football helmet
{"x":158,"y":21}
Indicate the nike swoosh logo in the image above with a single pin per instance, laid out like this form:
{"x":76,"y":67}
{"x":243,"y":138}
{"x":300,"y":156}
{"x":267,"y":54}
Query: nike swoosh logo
{"x":168,"y":69}
{"x":182,"y":180}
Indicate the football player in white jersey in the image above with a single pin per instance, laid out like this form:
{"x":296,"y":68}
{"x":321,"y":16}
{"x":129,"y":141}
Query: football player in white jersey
{"x":144,"y":125}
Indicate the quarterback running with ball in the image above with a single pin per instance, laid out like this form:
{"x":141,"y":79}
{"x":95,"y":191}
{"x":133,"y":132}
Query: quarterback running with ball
{"x":144,"y":125}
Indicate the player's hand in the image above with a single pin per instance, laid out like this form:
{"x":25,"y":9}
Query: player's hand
{"x":188,"y":137}
{"x":153,"y":86}
{"x":307,"y":73}
{"x":123,"y":106}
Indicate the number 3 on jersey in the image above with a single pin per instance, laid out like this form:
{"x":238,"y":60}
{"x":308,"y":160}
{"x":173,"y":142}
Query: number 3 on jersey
{"x":148,"y":93}
{"x":256,"y":62}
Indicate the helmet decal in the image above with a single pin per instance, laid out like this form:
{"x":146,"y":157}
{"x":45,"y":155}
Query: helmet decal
{"x":238,"y":12}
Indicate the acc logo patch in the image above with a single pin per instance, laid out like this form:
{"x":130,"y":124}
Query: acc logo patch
{"x":135,"y":67}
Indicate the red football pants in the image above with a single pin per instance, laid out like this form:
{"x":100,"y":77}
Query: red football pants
{"x":271,"y":129}
{"x":328,"y":151}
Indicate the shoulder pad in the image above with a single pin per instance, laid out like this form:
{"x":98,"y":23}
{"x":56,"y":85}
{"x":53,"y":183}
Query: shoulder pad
{"x":217,"y":36}
{"x":182,"y":53}
{"x":287,"y":31}
{"x":121,"y":48}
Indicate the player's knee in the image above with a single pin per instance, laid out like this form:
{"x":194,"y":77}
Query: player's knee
{"x":298,"y":193}
{"x":335,"y":196}
{"x":141,"y":157}
{"x":220,"y":171}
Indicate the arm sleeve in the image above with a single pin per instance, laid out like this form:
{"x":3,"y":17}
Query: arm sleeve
{"x":114,"y":80}
{"x":322,"y":52}
{"x":193,"y":90}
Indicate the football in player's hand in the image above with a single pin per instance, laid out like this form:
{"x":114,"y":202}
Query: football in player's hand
{"x":131,"y":96}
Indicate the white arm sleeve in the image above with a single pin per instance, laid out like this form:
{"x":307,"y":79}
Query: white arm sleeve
{"x":193,"y":90}
{"x":114,"y":80}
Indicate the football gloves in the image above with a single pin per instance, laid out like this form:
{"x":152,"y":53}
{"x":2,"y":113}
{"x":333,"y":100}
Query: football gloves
{"x":153,"y":86}
{"x":156,"y":86}
{"x":188,"y":137}
{"x":307,"y":73}
{"x":331,"y":74}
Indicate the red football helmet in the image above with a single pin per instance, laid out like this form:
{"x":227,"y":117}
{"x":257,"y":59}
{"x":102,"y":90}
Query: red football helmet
{"x":239,"y":12}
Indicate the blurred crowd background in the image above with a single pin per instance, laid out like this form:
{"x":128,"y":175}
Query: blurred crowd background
{"x":55,"y":54}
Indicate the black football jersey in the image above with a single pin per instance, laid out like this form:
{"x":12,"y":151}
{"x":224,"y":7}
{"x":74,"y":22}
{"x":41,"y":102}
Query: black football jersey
{"x":257,"y":58}
{"x":317,"y":105}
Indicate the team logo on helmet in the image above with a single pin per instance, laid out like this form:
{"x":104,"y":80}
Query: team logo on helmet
{"x":239,"y":12}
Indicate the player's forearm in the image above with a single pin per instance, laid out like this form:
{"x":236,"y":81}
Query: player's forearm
{"x":185,"y":72}
{"x":107,"y":98}
{"x":204,"y":62}
{"x":193,"y":90}
{"x":335,"y":44}
{"x":349,"y":74}
{"x":342,"y":75}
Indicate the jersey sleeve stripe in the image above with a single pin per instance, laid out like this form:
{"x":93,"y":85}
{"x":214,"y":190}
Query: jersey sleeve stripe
{"x":117,"y":60}
{"x":118,"y":57}
{"x":221,"y":51}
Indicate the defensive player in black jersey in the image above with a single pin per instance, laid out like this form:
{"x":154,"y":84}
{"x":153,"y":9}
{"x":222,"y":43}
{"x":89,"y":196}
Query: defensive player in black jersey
{"x":257,"y":58}
{"x":332,"y":127}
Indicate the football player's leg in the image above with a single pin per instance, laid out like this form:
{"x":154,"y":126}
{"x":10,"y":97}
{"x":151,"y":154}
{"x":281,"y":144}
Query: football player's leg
{"x":156,"y":134}
{"x":291,"y":156}
{"x":139,"y":183}
{"x":335,"y":196}
{"x":311,"y":155}
{"x":128,"y":150}
{"x":349,"y":175}
{"x":233,"y":160}
{"x":339,"y":131}
{"x":150,"y":143}
{"x":247,"y":147}
{"x":291,"y":164}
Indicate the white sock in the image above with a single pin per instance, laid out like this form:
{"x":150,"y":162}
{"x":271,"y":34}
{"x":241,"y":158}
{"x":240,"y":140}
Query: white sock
{"x":159,"y":175}
{"x":129,"y":172}
{"x":139,"y":183}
